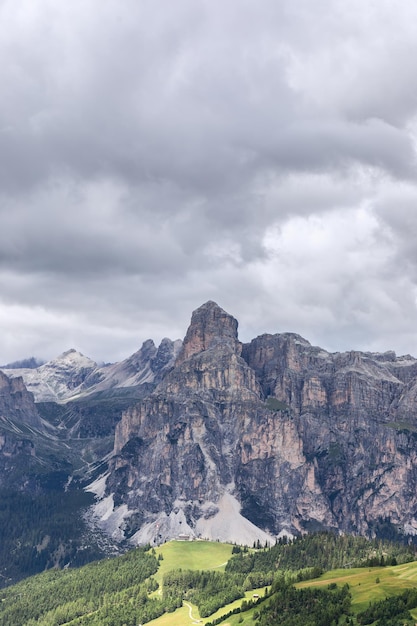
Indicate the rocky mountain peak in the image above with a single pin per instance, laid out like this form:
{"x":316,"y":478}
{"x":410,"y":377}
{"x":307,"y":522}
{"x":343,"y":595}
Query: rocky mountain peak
{"x":17,"y":403}
{"x":210,"y":326}
{"x":72,"y":358}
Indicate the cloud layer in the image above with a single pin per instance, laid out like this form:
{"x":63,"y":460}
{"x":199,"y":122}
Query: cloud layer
{"x":156,"y":155}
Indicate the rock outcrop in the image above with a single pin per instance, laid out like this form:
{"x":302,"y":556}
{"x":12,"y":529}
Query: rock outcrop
{"x":19,"y":421}
{"x":175,"y":450}
{"x":17,"y":403}
{"x":210,"y":326}
{"x":355,"y":415}
{"x":298,"y":438}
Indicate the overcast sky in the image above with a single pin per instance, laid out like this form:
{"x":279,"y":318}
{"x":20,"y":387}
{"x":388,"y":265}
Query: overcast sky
{"x":155,"y":155}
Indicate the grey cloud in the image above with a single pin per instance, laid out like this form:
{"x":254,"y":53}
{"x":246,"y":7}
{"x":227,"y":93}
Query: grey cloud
{"x":397,"y":212}
{"x":182,"y":98}
{"x":151,"y":152}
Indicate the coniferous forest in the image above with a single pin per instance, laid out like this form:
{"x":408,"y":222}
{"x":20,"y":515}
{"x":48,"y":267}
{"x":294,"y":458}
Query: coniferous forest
{"x":127,"y":590}
{"x":42,"y":531}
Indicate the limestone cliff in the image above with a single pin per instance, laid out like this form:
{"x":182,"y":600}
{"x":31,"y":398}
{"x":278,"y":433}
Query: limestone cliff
{"x":355,"y":415}
{"x":17,"y":403}
{"x":298,"y":438}
{"x":210,"y":326}
{"x":19,"y":420}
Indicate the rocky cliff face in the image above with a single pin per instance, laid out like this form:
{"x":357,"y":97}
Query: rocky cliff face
{"x":175,"y":452}
{"x":269,"y":437}
{"x":17,"y":403}
{"x":210,"y":327}
{"x":19,"y":420}
{"x":355,"y":415}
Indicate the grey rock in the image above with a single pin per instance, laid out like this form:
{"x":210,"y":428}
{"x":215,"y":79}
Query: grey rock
{"x":303,"y":438}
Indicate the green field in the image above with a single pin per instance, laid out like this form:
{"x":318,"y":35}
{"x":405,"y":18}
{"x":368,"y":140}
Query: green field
{"x":206,"y":555}
{"x":114,"y":592}
{"x":195,"y":555}
{"x":181,"y":617}
{"x":363,"y":585}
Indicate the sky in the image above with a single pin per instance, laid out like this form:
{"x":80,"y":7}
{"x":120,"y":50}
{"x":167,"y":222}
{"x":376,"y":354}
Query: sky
{"x":155,"y":155}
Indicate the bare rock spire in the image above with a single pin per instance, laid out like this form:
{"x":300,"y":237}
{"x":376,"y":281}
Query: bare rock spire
{"x":210,"y":326}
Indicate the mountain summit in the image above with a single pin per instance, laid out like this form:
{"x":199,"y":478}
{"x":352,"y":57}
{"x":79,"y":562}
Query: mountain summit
{"x":210,"y":326}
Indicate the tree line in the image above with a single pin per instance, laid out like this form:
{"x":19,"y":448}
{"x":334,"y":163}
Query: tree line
{"x":310,"y":607}
{"x":323,"y":550}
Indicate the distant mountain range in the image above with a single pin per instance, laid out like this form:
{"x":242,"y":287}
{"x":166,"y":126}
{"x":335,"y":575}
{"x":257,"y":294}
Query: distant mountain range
{"x":214,"y":438}
{"x":72,"y":375}
{"x":30,"y":363}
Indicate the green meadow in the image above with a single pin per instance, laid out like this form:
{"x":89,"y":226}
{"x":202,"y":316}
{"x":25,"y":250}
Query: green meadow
{"x":194,"y":555}
{"x":205,"y":555}
{"x":110,"y":592}
{"x":370,"y":584}
{"x":183,"y":617}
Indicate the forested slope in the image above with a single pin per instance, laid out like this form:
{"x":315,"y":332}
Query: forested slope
{"x":128,"y":590}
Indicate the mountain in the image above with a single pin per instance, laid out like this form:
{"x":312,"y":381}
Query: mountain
{"x":72,"y":375}
{"x":57,"y":379}
{"x":216,"y":439}
{"x":19,"y":423}
{"x":56,"y":438}
{"x":64,"y":417}
{"x":274,"y":436}
{"x":147,"y":366}
{"x":30,"y":363}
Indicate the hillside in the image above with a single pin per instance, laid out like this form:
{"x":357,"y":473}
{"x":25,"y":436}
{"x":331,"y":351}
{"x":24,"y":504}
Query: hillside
{"x":185,"y":582}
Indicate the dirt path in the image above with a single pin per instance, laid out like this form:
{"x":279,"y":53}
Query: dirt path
{"x":190,"y":613}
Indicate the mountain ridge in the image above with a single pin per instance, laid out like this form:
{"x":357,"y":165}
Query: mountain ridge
{"x":288,"y":431}
{"x":211,"y":437}
{"x":72,"y":375}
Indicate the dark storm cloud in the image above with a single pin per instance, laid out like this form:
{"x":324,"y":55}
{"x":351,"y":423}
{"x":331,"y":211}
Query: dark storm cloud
{"x":155,"y":155}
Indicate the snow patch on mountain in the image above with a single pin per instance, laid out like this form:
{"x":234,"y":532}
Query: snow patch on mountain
{"x":56,"y":380}
{"x":72,"y":375}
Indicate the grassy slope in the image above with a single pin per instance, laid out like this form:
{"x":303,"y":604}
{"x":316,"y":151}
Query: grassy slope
{"x":209,"y":555}
{"x":363,"y":585}
{"x":181,"y":617}
{"x":194,"y":555}
{"x":362,"y":582}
